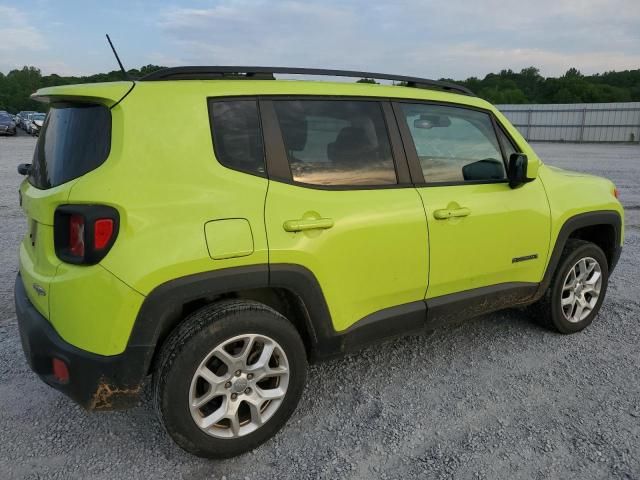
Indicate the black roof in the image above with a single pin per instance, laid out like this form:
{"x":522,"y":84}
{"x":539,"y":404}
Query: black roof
{"x":266,"y":73}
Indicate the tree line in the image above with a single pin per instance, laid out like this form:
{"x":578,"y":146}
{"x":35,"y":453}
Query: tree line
{"x":526,"y":86}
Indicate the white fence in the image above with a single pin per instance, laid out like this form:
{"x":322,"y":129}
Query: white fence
{"x":576,"y":122}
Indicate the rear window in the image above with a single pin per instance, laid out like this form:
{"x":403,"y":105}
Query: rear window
{"x":75,"y":139}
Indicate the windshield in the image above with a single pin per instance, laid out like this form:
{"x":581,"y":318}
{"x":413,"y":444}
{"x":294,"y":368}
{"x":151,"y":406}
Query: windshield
{"x":75,"y":139}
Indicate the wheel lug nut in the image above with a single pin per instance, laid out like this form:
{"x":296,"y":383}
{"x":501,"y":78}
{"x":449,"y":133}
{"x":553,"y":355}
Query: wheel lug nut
{"x":234,"y":396}
{"x":227,"y":385}
{"x":238,"y":372}
{"x":247,"y":390}
{"x":249,"y":376}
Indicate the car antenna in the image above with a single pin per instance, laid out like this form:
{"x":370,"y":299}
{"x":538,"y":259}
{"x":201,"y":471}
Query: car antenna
{"x":124,"y":72}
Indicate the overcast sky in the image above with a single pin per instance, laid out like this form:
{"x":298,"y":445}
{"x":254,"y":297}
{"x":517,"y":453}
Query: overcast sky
{"x":452,"y":38}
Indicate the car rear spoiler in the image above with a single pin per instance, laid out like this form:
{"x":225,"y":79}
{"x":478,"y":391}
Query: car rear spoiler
{"x":108,"y":93}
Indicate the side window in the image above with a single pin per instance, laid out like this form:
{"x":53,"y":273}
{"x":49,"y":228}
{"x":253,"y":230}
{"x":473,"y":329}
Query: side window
{"x":336,"y":142}
{"x":237,"y":136}
{"x":454,"y":144}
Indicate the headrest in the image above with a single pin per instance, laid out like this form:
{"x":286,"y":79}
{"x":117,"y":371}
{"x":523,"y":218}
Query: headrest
{"x":351,"y":145}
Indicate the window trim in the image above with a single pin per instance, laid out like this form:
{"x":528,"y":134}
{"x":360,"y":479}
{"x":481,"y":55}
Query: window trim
{"x":277,"y":160}
{"x":210,"y":102}
{"x":505,"y":160}
{"x":499,"y":127}
{"x":413,"y":160}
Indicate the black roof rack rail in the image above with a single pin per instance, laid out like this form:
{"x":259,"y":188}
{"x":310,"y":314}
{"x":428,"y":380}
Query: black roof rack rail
{"x":266,"y":73}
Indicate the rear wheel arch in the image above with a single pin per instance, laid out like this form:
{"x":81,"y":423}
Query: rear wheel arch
{"x":291,"y":290}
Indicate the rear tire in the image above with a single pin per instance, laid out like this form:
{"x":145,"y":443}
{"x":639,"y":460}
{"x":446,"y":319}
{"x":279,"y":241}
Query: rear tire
{"x":577,"y":289}
{"x":229,"y":378}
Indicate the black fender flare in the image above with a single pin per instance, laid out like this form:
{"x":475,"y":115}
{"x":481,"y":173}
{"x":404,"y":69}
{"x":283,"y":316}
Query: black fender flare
{"x":162,"y":308}
{"x":166,"y":301}
{"x":588,"y":219}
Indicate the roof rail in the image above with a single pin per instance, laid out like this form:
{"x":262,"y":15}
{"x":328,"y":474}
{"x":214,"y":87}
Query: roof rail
{"x":266,"y":73}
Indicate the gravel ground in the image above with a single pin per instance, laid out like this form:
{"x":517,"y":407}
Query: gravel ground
{"x":496,"y":397}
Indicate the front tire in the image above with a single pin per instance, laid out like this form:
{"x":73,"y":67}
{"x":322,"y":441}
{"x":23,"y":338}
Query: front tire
{"x":229,"y":378}
{"x":577,"y":289}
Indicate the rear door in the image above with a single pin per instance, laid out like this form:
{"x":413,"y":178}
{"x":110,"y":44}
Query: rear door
{"x":341,"y":204}
{"x":482,"y":232}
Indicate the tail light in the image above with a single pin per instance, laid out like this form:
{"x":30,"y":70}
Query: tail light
{"x":84,"y":234}
{"x":616,"y":193}
{"x":102,"y":232}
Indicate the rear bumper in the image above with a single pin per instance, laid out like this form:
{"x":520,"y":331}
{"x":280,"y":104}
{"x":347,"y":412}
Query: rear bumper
{"x":96,"y":382}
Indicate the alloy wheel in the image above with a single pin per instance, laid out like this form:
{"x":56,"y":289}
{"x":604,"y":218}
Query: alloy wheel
{"x":239,"y":386}
{"x":581,"y":289}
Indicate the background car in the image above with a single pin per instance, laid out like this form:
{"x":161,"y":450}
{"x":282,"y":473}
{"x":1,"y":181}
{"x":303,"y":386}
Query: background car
{"x":35,"y":123}
{"x":23,"y":118}
{"x":28,"y":122}
{"x":7,"y":125}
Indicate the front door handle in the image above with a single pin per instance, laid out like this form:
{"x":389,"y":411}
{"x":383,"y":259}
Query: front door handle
{"x":445,"y":213}
{"x":307,"y":224}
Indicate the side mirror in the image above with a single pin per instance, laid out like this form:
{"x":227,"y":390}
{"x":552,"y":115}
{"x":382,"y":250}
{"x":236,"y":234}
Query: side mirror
{"x":518,"y":171}
{"x":24,"y":169}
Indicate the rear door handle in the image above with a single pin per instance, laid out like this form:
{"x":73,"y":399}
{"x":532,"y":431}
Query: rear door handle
{"x":307,"y":224}
{"x":445,"y":213}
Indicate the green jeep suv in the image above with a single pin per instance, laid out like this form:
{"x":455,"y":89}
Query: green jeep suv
{"x":283,"y":222}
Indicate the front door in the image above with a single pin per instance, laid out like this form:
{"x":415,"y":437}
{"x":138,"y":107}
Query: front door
{"x":340,"y":209}
{"x":481,"y":231}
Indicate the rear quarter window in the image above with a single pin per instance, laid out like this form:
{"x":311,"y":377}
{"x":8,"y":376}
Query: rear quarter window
{"x":237,"y":135}
{"x":75,"y":139}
